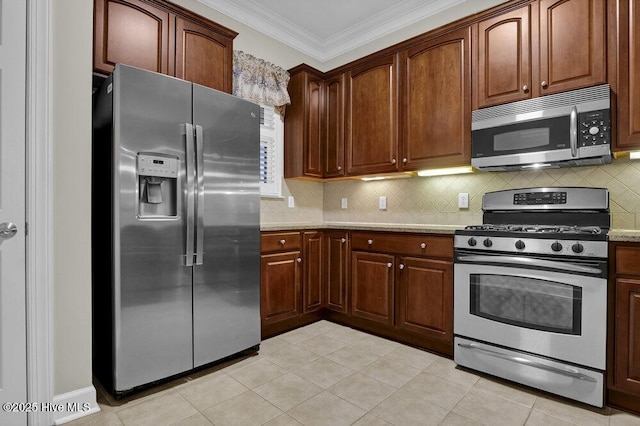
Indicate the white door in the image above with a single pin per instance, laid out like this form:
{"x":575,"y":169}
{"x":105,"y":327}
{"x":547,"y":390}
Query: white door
{"x":13,"y":351}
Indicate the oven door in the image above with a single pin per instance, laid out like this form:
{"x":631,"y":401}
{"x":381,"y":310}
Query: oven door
{"x":553,"y":308}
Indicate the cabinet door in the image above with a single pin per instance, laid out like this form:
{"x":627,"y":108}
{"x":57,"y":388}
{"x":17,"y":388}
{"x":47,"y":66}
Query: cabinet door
{"x":280,"y":293}
{"x":425,"y":297}
{"x":437,"y":99}
{"x":628,"y":75}
{"x":312,"y":292}
{"x":627,"y":336}
{"x":334,"y":127}
{"x":372,"y":285}
{"x":130,"y":32}
{"x":502,"y":59}
{"x":313,"y":139}
{"x":372,"y":117}
{"x":203,"y":56}
{"x":337,"y":246}
{"x":572,"y":44}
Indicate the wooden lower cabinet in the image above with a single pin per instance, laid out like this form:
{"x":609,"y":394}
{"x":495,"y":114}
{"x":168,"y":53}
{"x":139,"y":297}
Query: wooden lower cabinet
{"x":336,"y":271}
{"x":281,"y":286}
{"x":424,"y":299}
{"x":623,"y":369}
{"x":313,"y":272}
{"x":372,"y":283}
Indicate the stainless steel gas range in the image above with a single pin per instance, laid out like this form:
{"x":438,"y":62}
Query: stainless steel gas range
{"x":530,"y":290}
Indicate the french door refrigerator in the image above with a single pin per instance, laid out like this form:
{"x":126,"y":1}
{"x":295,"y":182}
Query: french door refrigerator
{"x":175,"y":233}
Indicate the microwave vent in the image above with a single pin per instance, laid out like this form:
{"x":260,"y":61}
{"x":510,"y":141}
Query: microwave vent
{"x":599,"y":93}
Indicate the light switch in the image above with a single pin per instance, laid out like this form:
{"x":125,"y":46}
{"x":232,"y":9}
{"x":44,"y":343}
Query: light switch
{"x":382,"y":203}
{"x":463,"y":200}
{"x":292,"y":202}
{"x":343,"y":204}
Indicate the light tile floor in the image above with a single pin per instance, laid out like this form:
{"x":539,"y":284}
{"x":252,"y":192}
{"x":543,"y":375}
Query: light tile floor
{"x":327,"y":374}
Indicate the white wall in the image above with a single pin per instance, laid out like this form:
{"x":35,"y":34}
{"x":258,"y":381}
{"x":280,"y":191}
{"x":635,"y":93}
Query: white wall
{"x":71,"y":125}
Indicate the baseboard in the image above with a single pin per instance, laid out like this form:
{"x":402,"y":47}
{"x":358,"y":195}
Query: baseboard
{"x":75,"y":404}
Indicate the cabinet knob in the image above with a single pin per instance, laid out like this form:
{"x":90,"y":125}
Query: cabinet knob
{"x":393,"y":161}
{"x":525,"y":88}
{"x":404,"y":160}
{"x":401,"y":266}
{"x":282,"y":242}
{"x":544,"y":84}
{"x":339,"y":167}
{"x":389,"y":265}
{"x":299,"y":260}
{"x":423,"y":245}
{"x":343,"y":240}
{"x":369,"y":242}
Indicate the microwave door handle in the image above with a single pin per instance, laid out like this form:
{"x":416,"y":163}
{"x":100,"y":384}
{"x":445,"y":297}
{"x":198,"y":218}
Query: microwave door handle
{"x":530,"y":262}
{"x":573,"y":131}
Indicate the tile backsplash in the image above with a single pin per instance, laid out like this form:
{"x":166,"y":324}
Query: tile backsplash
{"x":434,"y":200}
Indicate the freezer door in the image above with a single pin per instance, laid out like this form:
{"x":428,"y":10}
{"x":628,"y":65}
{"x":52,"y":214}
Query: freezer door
{"x":153,"y":290}
{"x":226,"y":298}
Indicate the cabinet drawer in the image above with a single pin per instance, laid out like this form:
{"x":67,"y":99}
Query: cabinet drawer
{"x":411,"y":244}
{"x":628,"y":260}
{"x":280,"y":241}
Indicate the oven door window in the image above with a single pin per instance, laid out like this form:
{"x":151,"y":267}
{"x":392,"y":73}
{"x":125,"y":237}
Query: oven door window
{"x":527,"y":302}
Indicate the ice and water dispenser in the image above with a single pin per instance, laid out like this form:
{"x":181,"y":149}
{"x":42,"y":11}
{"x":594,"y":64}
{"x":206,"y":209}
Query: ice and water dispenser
{"x":157,"y":185}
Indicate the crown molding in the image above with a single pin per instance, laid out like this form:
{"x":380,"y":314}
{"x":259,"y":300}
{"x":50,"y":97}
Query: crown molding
{"x":257,"y":16}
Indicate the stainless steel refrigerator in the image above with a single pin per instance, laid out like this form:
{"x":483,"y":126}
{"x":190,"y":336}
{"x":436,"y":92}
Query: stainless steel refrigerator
{"x":176,"y":239}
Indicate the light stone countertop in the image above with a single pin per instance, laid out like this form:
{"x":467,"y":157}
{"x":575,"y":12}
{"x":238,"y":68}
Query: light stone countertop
{"x":360,"y":226}
{"x":623,"y":235}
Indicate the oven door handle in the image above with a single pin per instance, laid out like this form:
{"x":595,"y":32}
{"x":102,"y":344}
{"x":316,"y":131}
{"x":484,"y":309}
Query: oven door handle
{"x":530,"y":262}
{"x":519,"y":360}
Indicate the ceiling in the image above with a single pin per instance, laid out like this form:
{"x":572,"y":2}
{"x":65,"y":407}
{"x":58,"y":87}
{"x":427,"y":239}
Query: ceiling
{"x":328,"y":28}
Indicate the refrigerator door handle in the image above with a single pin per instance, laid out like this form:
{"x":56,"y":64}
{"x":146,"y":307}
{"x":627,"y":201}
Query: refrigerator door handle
{"x":189,"y":164}
{"x":200,"y":200}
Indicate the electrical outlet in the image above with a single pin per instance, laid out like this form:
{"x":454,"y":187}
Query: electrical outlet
{"x":292,"y":202}
{"x":382,"y":203}
{"x":343,"y":204}
{"x":463,"y":200}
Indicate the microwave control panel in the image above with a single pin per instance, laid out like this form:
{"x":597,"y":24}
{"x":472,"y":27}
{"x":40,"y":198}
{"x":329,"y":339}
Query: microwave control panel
{"x":594,"y":128}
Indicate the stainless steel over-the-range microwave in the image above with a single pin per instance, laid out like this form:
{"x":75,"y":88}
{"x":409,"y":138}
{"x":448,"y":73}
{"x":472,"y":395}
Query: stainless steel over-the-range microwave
{"x":560,"y":130}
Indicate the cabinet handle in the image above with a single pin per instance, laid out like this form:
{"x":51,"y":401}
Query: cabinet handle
{"x":393,"y":161}
{"x":369,"y":242}
{"x":544,"y":84}
{"x":299,"y":260}
{"x":423,"y":245}
{"x":343,"y":240}
{"x":339,"y":167}
{"x":404,"y":160}
{"x":525,"y":88}
{"x":282,"y":242}
{"x":389,"y":265}
{"x":401,"y":266}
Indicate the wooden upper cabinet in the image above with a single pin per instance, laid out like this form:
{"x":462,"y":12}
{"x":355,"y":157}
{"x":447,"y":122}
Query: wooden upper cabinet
{"x":545,"y":47}
{"x":131,"y":32}
{"x":372,"y":117}
{"x":573,"y":44}
{"x":159,"y":36}
{"x":303,"y":125}
{"x":334,"y":164}
{"x":203,"y":56}
{"x":437,"y":102}
{"x":502,"y":58}
{"x":628,"y":66}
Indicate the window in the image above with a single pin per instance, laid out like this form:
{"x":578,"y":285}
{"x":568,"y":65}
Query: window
{"x":271,"y":147}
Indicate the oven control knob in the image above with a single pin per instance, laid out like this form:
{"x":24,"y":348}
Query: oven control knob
{"x":577,"y":248}
{"x":487,"y":242}
{"x":472,"y":242}
{"x":519,"y":244}
{"x":556,"y":246}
